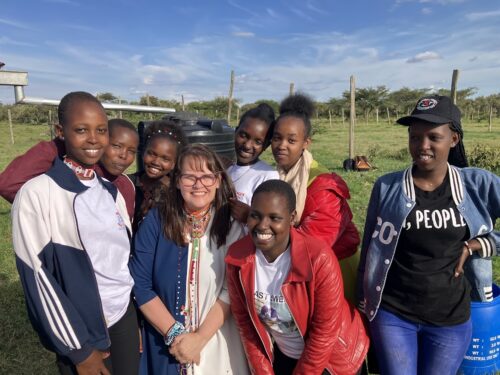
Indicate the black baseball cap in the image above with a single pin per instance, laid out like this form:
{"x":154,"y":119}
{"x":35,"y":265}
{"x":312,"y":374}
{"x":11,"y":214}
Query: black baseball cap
{"x":434,"y":109}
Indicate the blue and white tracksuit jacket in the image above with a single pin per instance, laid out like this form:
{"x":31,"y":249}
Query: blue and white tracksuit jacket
{"x":56,"y":273}
{"x":476,"y":193}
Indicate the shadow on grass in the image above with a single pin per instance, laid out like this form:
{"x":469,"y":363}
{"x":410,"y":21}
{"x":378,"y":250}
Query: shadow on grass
{"x":20,"y":349}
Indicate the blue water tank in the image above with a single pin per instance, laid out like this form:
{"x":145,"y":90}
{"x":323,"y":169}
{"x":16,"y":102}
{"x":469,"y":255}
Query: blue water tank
{"x":483,"y":355}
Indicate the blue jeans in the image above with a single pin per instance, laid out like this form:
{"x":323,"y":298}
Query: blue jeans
{"x":406,"y":348}
{"x":480,"y":275}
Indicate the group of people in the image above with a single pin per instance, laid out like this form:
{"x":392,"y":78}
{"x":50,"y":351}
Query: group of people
{"x":193,"y":267}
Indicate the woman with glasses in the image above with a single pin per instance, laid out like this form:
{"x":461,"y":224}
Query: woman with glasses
{"x":179,"y":273}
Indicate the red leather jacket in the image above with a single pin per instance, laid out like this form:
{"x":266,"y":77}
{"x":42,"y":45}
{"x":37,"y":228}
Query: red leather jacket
{"x":327,"y":215}
{"x":333,"y":331}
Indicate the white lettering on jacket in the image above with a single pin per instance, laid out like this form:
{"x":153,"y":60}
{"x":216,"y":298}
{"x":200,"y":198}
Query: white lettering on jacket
{"x":385,"y":231}
{"x":438,"y":219}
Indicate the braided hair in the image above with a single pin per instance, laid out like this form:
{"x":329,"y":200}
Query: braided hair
{"x":457,"y":156}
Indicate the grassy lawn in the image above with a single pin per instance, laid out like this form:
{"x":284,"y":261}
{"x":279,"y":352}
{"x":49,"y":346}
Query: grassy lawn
{"x":384,"y":144}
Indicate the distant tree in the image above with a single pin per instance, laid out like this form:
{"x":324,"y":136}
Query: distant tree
{"x":403,"y":100}
{"x":106,"y":97}
{"x":336,"y":105}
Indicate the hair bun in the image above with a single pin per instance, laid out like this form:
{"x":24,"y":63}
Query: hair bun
{"x":297,"y":104}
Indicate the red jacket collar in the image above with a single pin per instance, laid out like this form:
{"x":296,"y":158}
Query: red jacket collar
{"x":329,"y":181}
{"x":242,"y":254}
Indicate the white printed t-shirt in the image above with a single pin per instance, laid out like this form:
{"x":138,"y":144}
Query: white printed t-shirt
{"x":271,"y":306}
{"x":104,"y":237}
{"x":246,"y":178}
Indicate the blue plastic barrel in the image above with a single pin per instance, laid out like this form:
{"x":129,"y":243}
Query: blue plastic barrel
{"x":483,"y":355}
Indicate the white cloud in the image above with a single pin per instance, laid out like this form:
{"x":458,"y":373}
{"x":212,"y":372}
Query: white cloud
{"x":311,"y":5}
{"x":271,"y":12}
{"x":7,"y":40}
{"x":242,"y":8}
{"x":16,"y":24}
{"x":243,"y":34}
{"x":443,"y":2}
{"x":440,"y":2}
{"x":79,"y":27}
{"x":424,"y":56}
{"x":65,"y":2}
{"x":426,"y":11}
{"x":482,"y":15}
{"x":301,"y":14}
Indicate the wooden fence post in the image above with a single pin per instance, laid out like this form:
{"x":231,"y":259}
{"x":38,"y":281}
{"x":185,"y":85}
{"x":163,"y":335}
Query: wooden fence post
{"x":490,"y":118}
{"x":330,"y":117}
{"x":51,"y":126}
{"x":388,"y":115}
{"x":376,"y":114}
{"x":292,"y":88}
{"x":10,"y":126}
{"x":453,"y":91}
{"x":352,"y":117}
{"x":182,"y":103}
{"x":230,"y":98}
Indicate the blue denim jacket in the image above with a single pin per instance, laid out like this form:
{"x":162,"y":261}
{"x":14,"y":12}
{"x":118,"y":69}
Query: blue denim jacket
{"x":476,"y":193}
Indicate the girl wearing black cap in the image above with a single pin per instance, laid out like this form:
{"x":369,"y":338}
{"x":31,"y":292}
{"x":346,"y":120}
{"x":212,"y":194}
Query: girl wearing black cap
{"x":422,"y":224}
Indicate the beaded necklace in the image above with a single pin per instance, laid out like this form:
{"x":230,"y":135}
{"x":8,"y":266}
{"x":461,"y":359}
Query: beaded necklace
{"x":78,"y":169}
{"x":196,"y":224}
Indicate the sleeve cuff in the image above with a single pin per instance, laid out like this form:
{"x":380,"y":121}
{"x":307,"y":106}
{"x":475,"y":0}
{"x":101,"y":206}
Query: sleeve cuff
{"x":143,"y":296}
{"x":79,"y":355}
{"x":488,"y":247}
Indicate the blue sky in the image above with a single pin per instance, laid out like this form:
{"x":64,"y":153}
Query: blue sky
{"x":166,"y":48}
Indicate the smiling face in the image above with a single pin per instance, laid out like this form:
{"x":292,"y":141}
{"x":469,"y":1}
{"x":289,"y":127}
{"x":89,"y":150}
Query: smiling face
{"x":289,"y":141}
{"x":85,"y":132}
{"x":430,"y":145}
{"x":197,"y":196}
{"x":269,"y":223}
{"x":250,"y":141}
{"x":121,"y":151}
{"x":159,"y":157}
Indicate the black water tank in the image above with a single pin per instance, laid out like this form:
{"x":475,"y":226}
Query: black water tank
{"x":216,"y":134}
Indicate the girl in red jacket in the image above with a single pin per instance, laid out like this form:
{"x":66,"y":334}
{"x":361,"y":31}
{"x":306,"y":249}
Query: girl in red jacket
{"x":322,"y":208}
{"x":287,"y":295}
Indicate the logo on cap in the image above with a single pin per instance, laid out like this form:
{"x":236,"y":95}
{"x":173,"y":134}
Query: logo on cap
{"x":425,"y":104}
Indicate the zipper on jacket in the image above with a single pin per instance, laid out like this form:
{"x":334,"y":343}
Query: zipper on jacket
{"x":251,"y":318}
{"x":103,"y":318}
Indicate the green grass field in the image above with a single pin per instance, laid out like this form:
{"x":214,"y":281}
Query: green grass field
{"x":385,"y":145}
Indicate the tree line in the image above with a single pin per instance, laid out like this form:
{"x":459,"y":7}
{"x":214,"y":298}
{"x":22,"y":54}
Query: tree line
{"x":372,"y":104}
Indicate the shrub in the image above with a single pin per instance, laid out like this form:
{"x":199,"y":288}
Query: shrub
{"x":485,"y":157}
{"x":375,"y":152}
